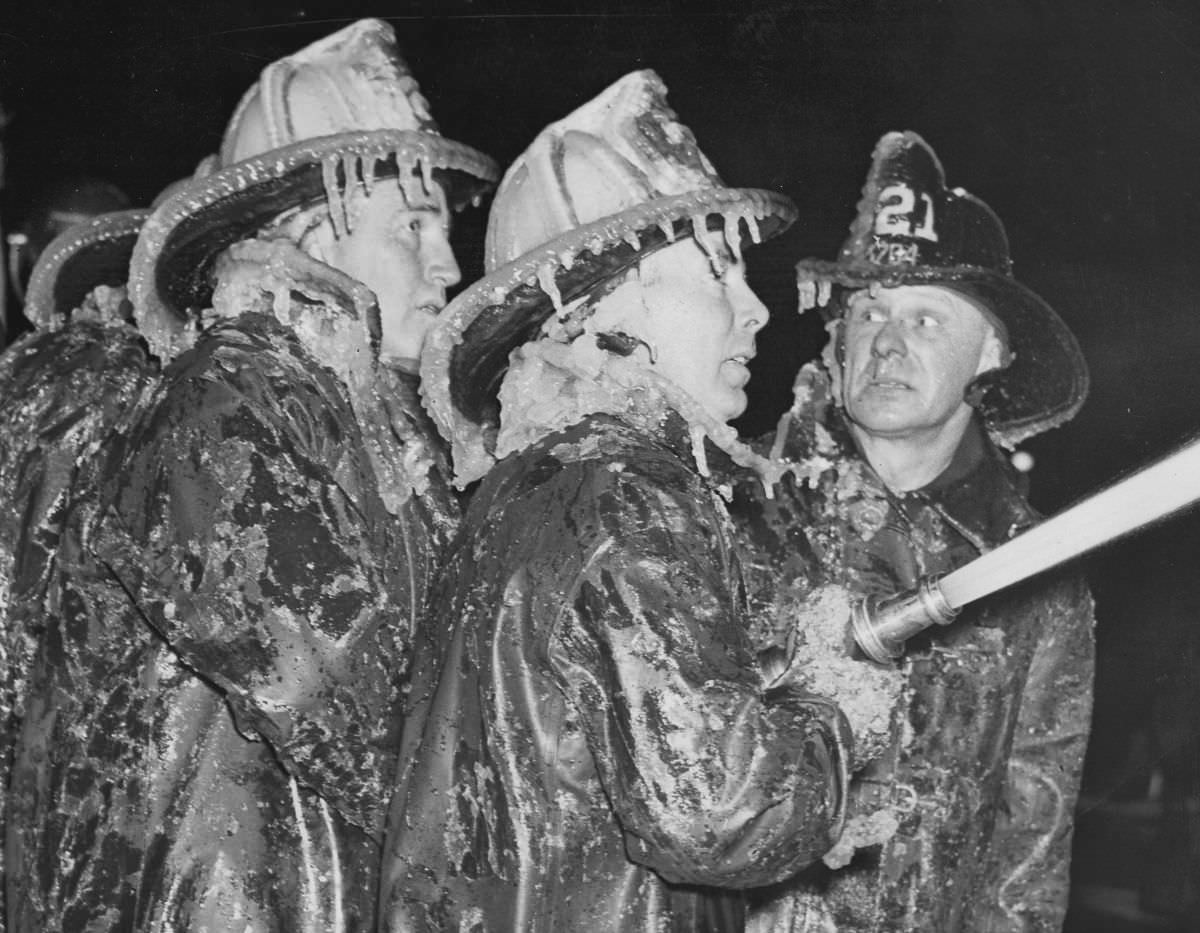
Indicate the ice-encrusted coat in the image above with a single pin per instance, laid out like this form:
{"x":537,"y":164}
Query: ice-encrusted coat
{"x":64,"y":393}
{"x":984,"y":770}
{"x":590,"y":746}
{"x":217,"y":718}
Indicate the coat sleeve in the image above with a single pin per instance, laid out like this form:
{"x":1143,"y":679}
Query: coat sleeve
{"x":1031,"y":848}
{"x":713,"y":782}
{"x":250,"y":560}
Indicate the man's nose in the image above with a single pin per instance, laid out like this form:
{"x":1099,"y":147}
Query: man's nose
{"x":441,"y":267}
{"x":752,"y":313}
{"x":889,"y":340}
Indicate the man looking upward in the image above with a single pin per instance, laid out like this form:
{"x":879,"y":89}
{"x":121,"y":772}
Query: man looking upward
{"x":937,"y":358}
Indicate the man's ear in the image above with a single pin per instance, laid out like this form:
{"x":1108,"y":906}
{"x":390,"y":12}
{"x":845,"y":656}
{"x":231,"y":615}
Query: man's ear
{"x":993,"y":355}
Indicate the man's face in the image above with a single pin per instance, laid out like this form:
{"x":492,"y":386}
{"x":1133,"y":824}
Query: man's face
{"x":701,"y":322}
{"x":910,"y":353}
{"x":400,"y":249}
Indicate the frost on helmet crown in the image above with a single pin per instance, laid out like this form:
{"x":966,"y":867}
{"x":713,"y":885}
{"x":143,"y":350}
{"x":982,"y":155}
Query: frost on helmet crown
{"x":618,"y":151}
{"x":351,"y":81}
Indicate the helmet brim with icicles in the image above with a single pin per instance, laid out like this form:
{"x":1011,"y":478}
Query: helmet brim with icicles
{"x":77,"y":261}
{"x":341,"y":112}
{"x":594,"y":194}
{"x":171,"y":273}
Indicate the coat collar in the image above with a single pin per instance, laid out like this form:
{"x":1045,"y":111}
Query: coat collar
{"x":979,"y":492}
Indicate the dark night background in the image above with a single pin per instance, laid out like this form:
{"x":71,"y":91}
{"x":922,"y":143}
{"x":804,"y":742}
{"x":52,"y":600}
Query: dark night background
{"x":1078,"y":121}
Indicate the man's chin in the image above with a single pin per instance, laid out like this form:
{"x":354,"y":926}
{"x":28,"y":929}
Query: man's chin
{"x":908,"y":425}
{"x":731,"y":409}
{"x":884,"y":421}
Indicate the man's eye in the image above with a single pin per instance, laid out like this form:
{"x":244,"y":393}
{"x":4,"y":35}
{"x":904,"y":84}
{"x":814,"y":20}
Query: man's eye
{"x":928,"y":320}
{"x":414,"y":225}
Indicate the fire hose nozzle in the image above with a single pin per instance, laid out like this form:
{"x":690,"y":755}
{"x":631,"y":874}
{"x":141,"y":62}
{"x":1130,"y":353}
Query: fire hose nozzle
{"x":882,"y":626}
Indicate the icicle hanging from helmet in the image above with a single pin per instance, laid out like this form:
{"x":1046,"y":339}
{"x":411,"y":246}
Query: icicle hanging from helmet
{"x":333,"y":194}
{"x":813,"y":293}
{"x":426,"y":169}
{"x":548,"y":284}
{"x":368,"y":163}
{"x":700,"y":235}
{"x":733,"y":235}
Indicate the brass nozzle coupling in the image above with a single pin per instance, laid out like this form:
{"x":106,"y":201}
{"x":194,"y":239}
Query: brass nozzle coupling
{"x":882,"y":626}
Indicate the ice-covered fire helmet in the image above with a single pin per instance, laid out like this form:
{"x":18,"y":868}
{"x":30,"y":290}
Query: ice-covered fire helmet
{"x":911,"y":230}
{"x":87,"y":255}
{"x":594,"y":193}
{"x":344,"y":111}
